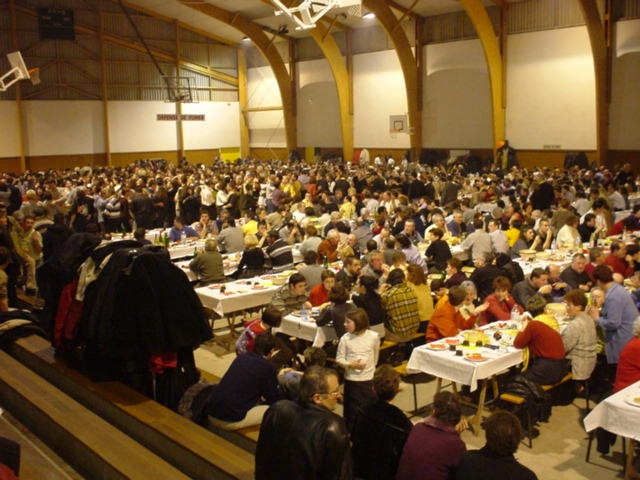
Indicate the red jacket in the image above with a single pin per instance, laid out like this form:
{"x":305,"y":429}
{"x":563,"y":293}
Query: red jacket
{"x":628,"y":371}
{"x":499,"y":310}
{"x":542,"y":340}
{"x":318,"y":295}
{"x":446,"y":321}
{"x":618,"y":265}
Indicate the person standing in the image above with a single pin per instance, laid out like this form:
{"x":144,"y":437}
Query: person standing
{"x":616,"y":316}
{"x":357,"y":354}
{"x":305,"y":439}
{"x":628,"y":371}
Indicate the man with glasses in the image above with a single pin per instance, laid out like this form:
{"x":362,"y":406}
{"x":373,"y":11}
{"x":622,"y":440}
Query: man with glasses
{"x":305,"y":439}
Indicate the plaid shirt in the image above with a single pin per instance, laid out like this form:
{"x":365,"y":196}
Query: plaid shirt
{"x":401,"y":305}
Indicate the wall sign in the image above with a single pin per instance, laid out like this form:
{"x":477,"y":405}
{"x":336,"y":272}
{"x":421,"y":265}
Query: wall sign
{"x":183,"y":117}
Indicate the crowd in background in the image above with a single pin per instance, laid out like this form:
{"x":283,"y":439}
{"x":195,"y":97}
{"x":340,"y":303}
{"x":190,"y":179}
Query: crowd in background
{"x":392,"y":225}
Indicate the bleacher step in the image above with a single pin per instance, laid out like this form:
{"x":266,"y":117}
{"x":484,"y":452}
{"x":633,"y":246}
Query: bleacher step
{"x":194,"y":450}
{"x":92,"y":445}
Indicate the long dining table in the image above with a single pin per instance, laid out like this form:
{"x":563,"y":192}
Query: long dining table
{"x":305,"y":328}
{"x":473,"y":365}
{"x":619,"y":414}
{"x":231,"y":297}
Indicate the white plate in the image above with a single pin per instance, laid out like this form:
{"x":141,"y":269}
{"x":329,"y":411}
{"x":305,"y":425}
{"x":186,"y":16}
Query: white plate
{"x":633,"y":400}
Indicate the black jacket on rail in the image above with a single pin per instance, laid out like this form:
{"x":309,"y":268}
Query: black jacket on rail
{"x":142,"y":304}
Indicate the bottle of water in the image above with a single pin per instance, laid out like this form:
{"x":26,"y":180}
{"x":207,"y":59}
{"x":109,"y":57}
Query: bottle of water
{"x":183,"y":236}
{"x":303,"y":314}
{"x":578,"y":244}
{"x":515,"y":313}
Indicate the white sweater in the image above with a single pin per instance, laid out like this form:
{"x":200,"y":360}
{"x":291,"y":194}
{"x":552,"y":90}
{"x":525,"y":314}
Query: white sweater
{"x":365,"y":347}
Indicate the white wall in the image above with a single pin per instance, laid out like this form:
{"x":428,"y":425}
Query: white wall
{"x":55,"y":127}
{"x":551,"y":90}
{"x":220,"y":129}
{"x":318,"y":106}
{"x":457,"y":96}
{"x":625,"y":99}
{"x":133,"y":127}
{"x":266,"y":128}
{"x":378,"y":92}
{"x":76,"y":127}
{"x":10,"y":144}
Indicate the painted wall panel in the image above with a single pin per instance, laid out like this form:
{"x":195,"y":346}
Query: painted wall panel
{"x":221,"y":127}
{"x":625,"y":98}
{"x":10,"y":144}
{"x":134,"y":127}
{"x":551,"y":90}
{"x":63,"y":127}
{"x":457,"y":99}
{"x":379,"y":91}
{"x":266,"y":129}
{"x":318,"y":108}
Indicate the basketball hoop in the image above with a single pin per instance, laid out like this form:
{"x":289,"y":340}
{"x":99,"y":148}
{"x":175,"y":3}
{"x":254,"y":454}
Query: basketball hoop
{"x":180,"y":89}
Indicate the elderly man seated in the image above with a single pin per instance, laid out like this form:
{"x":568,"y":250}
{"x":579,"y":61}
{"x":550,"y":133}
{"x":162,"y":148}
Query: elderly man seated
{"x":208,"y":265}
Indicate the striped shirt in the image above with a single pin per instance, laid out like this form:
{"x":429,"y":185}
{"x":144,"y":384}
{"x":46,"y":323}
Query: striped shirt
{"x":281,"y":255}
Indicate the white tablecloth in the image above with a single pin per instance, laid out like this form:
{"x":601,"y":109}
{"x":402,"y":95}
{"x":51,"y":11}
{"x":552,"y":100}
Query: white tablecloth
{"x":186,"y":250}
{"x":621,"y":215}
{"x":528,"y":266}
{"x":485,"y":207}
{"x":616,"y":415}
{"x":239,"y":295}
{"x":459,"y":252}
{"x":445,"y":364}
{"x":230,"y":267}
{"x":295,"y":326}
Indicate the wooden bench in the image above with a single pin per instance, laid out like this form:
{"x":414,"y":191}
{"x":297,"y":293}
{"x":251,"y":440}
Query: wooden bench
{"x":93,"y":446}
{"x":194,"y":450}
{"x":389,"y":346}
{"x":520,"y":401}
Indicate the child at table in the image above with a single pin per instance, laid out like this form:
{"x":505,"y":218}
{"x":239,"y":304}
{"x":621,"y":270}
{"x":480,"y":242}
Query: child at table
{"x":271,"y":318}
{"x":357,"y":354}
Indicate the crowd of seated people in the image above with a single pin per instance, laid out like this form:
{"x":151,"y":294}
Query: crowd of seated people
{"x":392,"y":227}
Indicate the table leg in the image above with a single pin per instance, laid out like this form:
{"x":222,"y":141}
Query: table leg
{"x":476,"y":420}
{"x":629,"y":471}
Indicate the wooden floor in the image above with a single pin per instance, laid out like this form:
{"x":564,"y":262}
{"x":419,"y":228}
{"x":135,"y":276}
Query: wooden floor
{"x":38,"y":462}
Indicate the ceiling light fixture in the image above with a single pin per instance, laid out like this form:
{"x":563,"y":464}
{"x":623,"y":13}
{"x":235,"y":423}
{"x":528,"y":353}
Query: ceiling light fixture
{"x":307,"y":13}
{"x":369,"y":16}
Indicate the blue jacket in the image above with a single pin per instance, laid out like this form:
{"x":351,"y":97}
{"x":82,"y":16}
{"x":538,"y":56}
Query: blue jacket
{"x":616,"y":319}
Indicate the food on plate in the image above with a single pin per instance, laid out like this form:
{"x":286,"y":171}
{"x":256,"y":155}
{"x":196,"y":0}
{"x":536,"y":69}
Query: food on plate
{"x":476,"y":357}
{"x":437,"y":346}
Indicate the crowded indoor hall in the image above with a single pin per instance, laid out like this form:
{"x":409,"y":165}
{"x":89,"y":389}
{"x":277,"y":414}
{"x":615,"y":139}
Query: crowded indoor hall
{"x":189,"y":290}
